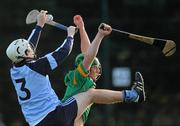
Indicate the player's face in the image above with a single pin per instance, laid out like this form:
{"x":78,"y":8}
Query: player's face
{"x":95,"y":72}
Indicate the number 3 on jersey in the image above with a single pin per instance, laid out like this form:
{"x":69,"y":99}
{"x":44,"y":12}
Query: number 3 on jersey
{"x":22,"y":81}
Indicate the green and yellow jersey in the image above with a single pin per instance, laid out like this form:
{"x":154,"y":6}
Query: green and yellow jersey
{"x":77,"y":81}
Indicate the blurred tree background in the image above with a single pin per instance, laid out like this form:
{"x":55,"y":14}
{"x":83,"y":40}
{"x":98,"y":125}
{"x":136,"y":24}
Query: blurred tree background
{"x":157,"y":18}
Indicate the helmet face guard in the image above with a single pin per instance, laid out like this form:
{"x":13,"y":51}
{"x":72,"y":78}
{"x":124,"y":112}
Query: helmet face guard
{"x":17,"y":50}
{"x":96,"y":62}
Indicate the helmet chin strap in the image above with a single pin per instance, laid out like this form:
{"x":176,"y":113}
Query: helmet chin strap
{"x":28,"y":58}
{"x":98,"y":76}
{"x":25,"y":59}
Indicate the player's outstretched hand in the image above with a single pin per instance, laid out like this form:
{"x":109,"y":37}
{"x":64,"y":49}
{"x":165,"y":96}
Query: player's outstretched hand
{"x":78,"y":21}
{"x":104,"y":29}
{"x":42,"y":18}
{"x":71,"y":30}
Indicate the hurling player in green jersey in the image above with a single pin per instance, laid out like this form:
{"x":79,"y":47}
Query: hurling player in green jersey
{"x":77,"y":81}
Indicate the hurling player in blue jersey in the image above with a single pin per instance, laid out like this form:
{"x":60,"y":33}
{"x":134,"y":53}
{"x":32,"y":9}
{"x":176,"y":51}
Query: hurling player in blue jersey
{"x":39,"y":103}
{"x":30,"y":75}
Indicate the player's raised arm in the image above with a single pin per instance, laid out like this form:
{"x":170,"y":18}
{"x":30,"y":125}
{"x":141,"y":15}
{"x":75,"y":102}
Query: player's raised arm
{"x":93,"y":49}
{"x":35,"y":34}
{"x":85,"y":42}
{"x":50,"y":61}
{"x":64,"y":50}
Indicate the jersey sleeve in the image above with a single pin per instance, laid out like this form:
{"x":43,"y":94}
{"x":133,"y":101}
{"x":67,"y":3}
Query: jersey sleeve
{"x":34,"y":37}
{"x":81,"y":78}
{"x":52,"y":60}
{"x":63,"y":51}
{"x":81,"y":71}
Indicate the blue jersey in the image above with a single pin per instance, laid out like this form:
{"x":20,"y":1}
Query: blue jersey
{"x":32,"y":84}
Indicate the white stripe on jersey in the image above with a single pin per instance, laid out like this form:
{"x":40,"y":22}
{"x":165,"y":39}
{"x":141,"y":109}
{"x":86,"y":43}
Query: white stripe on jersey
{"x":68,"y":101}
{"x":32,"y":33}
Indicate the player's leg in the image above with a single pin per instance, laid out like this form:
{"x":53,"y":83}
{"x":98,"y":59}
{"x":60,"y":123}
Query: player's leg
{"x":102,"y":96}
{"x":99,"y":96}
